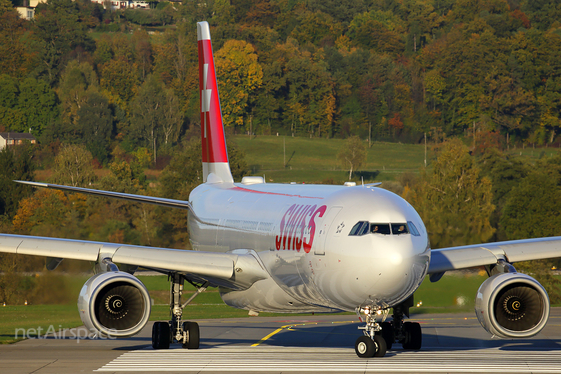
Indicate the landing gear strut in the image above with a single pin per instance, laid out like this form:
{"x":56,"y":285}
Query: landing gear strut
{"x":380,"y":336}
{"x":186,"y":333}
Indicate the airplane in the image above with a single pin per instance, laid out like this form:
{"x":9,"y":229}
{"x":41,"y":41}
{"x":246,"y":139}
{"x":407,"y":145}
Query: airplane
{"x":293,"y":248}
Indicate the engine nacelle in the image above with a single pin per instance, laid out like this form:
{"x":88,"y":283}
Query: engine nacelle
{"x":115,"y":304}
{"x":512,"y":305}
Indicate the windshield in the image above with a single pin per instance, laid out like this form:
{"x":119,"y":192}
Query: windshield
{"x":363,"y":228}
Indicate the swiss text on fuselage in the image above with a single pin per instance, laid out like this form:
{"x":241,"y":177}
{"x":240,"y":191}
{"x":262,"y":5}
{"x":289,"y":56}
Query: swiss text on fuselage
{"x":298,"y":227}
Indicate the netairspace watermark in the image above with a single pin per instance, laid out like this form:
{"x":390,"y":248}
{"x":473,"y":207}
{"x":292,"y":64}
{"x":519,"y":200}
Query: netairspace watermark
{"x":53,"y":333}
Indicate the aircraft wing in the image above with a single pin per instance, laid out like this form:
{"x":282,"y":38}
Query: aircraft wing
{"x":238,"y":271}
{"x":468,"y":256}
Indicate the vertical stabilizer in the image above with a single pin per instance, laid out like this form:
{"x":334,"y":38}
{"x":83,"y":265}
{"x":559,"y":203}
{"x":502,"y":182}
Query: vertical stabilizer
{"x":215,"y":154}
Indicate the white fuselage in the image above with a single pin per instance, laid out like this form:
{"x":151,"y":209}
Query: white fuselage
{"x":300,"y":233}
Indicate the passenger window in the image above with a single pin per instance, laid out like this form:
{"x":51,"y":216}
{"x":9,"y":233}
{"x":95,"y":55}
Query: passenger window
{"x":399,"y":228}
{"x":380,"y":228}
{"x":413,"y":228}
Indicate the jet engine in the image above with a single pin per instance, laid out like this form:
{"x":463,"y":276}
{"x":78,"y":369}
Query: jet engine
{"x":114,"y":304}
{"x":512,"y":305}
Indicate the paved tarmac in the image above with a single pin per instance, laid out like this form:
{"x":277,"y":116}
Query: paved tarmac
{"x":452,"y":343}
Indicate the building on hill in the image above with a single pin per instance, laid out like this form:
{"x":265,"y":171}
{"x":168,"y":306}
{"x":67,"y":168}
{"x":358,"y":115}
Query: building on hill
{"x":15,"y":138}
{"x":123,"y":4}
{"x":27,"y":10}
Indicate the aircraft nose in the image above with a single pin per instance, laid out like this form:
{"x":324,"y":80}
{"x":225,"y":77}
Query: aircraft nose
{"x":401,"y":265}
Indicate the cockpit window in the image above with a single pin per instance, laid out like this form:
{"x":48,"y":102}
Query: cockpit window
{"x":413,"y":228}
{"x":361,"y":228}
{"x":380,"y":228}
{"x":399,"y":228}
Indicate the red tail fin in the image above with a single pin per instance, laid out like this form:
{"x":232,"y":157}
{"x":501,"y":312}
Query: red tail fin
{"x":215,"y":154}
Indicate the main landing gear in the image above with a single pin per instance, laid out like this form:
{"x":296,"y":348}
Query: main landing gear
{"x":380,"y":336}
{"x":186,"y":333}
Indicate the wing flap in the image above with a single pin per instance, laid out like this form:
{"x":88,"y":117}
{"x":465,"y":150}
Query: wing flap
{"x":468,"y":256}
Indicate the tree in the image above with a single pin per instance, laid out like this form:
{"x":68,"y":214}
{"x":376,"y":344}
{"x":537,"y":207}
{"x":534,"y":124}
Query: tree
{"x":370,"y":31}
{"x":435,"y":86}
{"x":127,"y":177}
{"x":76,"y":81}
{"x":58,"y":25}
{"x":73,"y":166}
{"x":505,"y":173}
{"x":143,"y":51}
{"x":315,"y":27}
{"x":95,"y":120}
{"x":454,"y":201}
{"x":353,"y":154}
{"x":147,"y":113}
{"x":173,"y":117}
{"x":16,"y":58}
{"x":240,"y":76}
{"x":10,"y":115}
{"x":310,"y":100}
{"x":15,"y":164}
{"x":120,"y":78}
{"x":532,"y":208}
{"x":38,"y":101}
{"x":341,"y":10}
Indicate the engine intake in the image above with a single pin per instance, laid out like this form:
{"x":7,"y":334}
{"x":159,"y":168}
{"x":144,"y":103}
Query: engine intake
{"x":512,"y":305}
{"x":114,"y":304}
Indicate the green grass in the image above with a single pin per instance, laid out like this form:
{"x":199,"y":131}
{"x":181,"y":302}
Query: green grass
{"x":454,"y":293}
{"x":15,"y":318}
{"x":314,"y":160}
{"x":532,"y":155}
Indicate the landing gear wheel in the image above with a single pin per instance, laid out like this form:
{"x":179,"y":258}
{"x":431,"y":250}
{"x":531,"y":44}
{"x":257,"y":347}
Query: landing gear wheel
{"x":366,"y":347}
{"x":413,"y":336}
{"x":160,"y":335}
{"x":388,"y":334}
{"x":381,"y":346}
{"x":192,"y":336}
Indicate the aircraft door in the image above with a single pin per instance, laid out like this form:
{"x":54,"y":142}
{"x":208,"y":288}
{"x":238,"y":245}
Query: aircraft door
{"x":324,"y":228}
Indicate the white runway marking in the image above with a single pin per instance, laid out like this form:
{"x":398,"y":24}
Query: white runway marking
{"x":279,"y":359}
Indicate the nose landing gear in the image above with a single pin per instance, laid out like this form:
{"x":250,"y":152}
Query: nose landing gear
{"x":372,"y":344}
{"x":380,"y":336}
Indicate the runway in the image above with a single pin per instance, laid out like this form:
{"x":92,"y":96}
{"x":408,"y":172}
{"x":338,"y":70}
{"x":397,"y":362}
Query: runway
{"x":452,"y":343}
{"x":240,"y":359}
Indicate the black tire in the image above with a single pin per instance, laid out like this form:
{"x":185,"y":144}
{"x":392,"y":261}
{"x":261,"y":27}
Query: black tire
{"x":160,"y":335}
{"x":413,"y":336}
{"x":388,"y":334}
{"x":193,"y":335}
{"x":380,"y":343}
{"x":365,"y":347}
